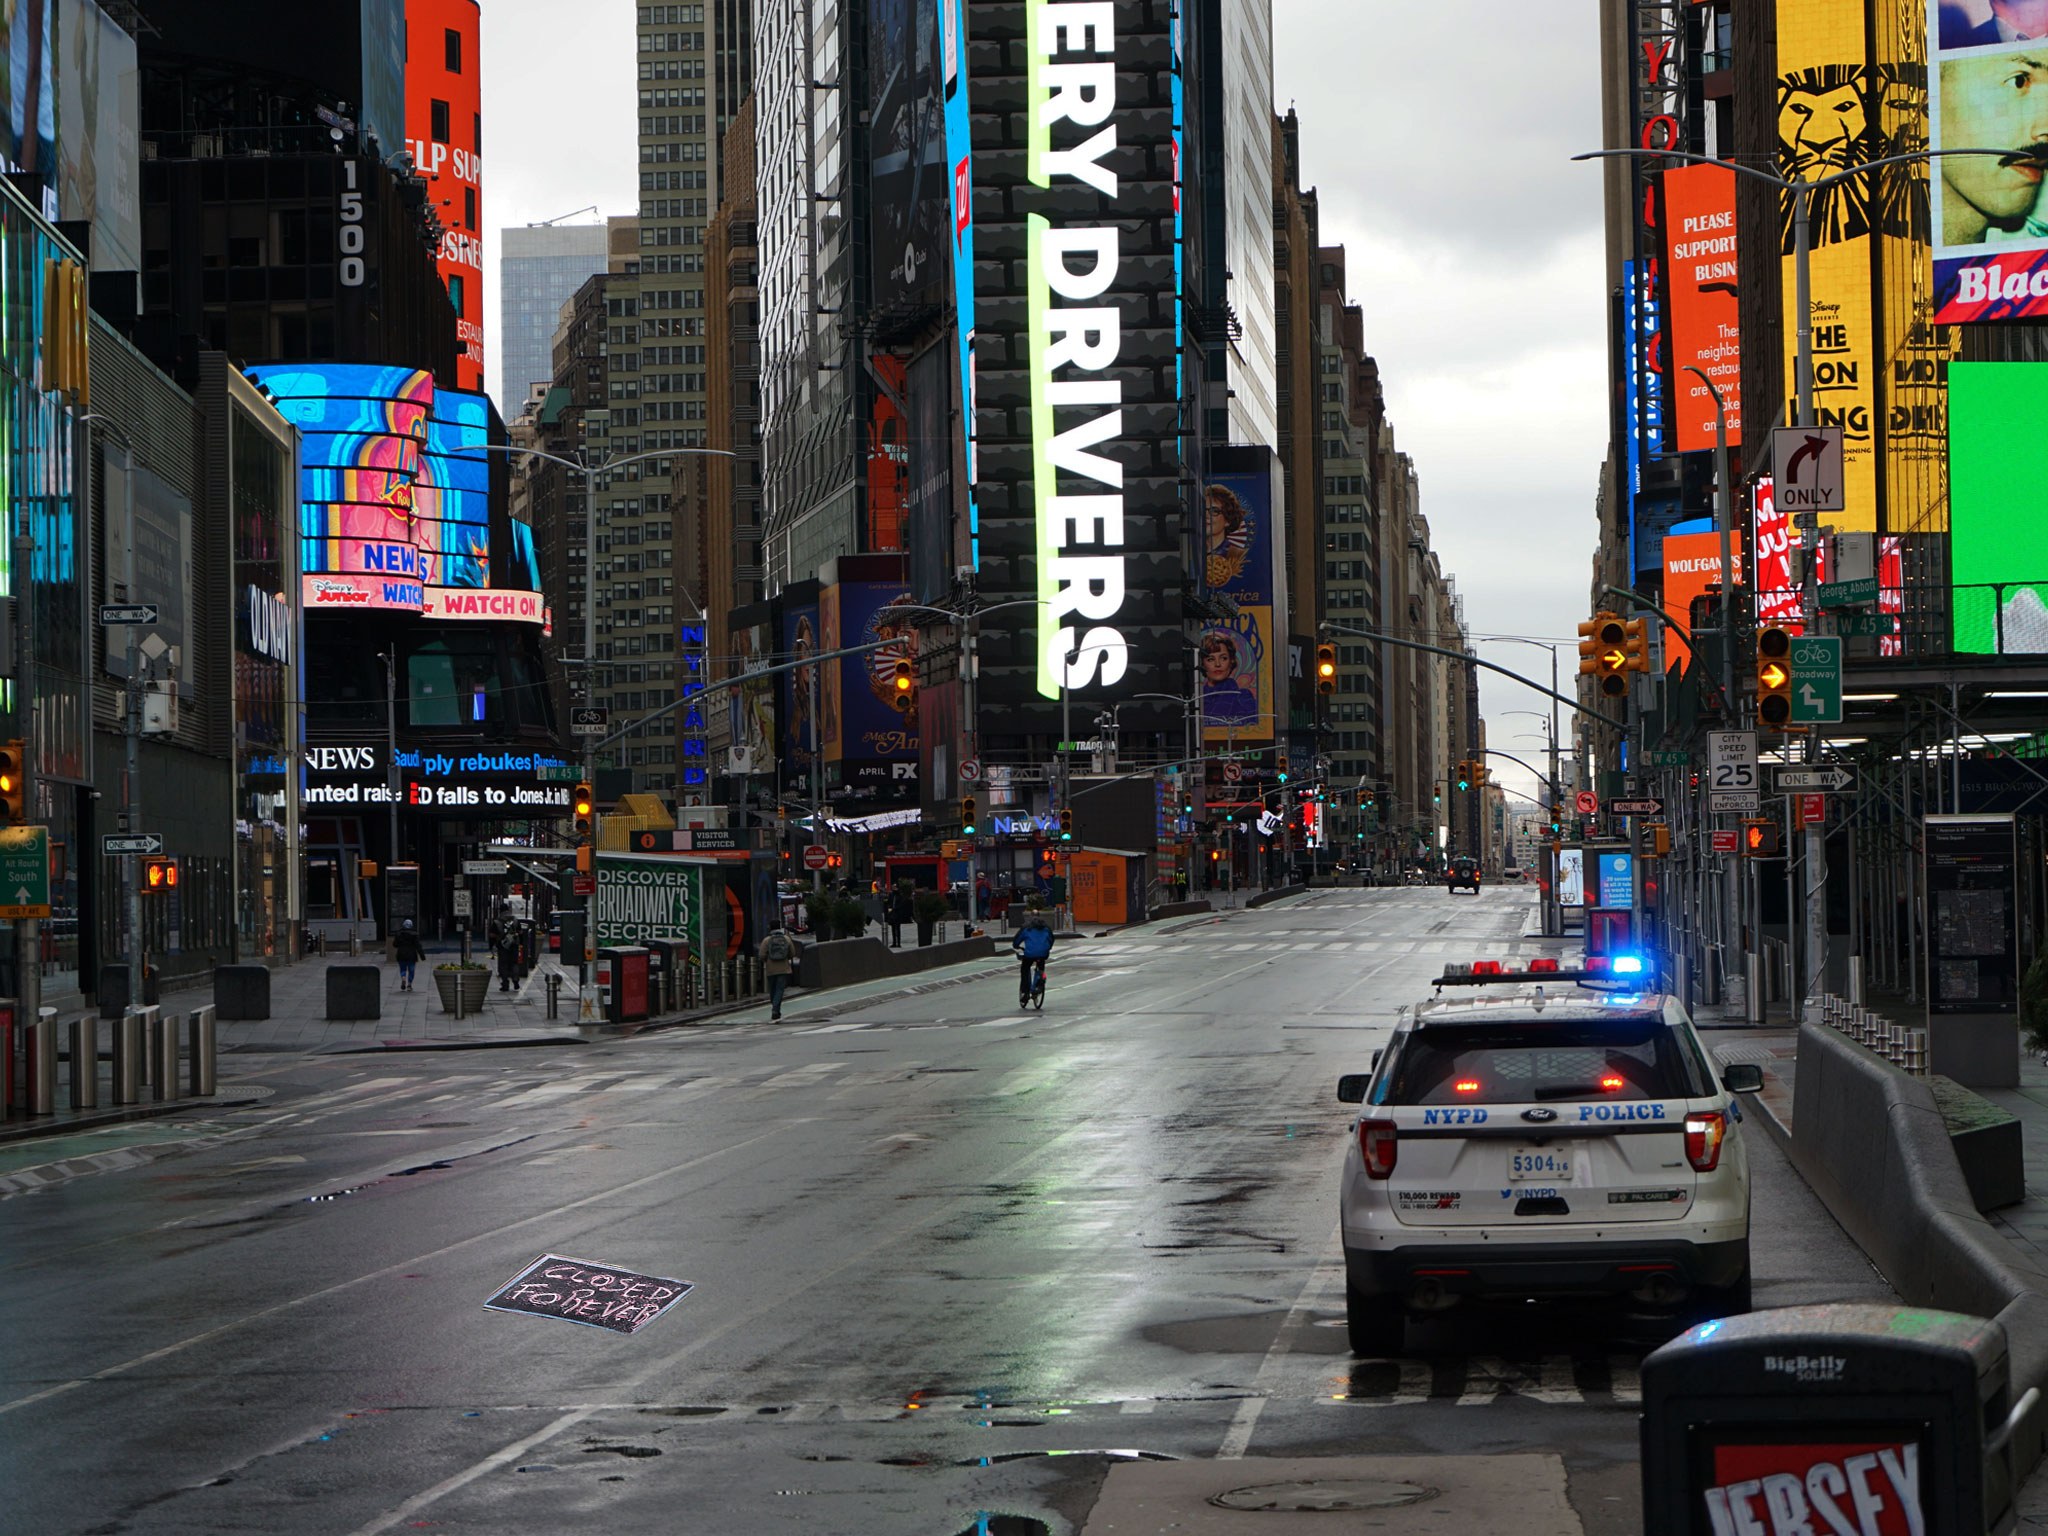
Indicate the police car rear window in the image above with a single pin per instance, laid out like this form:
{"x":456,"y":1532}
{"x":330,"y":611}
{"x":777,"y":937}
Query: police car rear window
{"x":1538,"y":1063}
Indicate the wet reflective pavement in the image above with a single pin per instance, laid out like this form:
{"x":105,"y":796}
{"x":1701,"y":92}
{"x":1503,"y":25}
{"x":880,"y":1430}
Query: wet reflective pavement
{"x":957,"y":1268}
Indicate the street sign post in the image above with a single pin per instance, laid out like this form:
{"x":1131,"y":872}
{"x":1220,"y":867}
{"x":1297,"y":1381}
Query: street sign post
{"x":1662,"y":759}
{"x":486,"y":867}
{"x":588,"y":720}
{"x":1232,"y":771}
{"x":462,"y":907}
{"x":1813,"y":810}
{"x":127,"y":613}
{"x":114,"y":844}
{"x":1586,"y":803}
{"x":1816,"y":679}
{"x":1879,"y":624}
{"x":1806,"y":465}
{"x":1731,"y":771}
{"x":1831,"y":780}
{"x":1644,"y":807}
{"x":25,"y":872}
{"x":970,"y":771}
{"x":1726,"y":840}
{"x":559,"y":773}
{"x":816,"y":856}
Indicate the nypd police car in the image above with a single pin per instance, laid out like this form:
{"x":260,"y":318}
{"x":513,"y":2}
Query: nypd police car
{"x":1543,"y":1141}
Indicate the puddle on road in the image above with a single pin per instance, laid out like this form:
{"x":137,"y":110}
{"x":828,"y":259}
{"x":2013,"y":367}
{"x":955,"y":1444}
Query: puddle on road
{"x":439,"y":1165}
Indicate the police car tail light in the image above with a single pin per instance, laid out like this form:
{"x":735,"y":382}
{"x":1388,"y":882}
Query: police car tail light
{"x":1595,"y":963}
{"x":1485,"y":967}
{"x":1466,"y":1085}
{"x":1704,"y":1132}
{"x":1379,"y":1145}
{"x":1613,"y":1082}
{"x":1543,"y":963}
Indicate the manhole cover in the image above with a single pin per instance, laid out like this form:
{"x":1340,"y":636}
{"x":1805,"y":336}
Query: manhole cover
{"x":1325,"y":1495}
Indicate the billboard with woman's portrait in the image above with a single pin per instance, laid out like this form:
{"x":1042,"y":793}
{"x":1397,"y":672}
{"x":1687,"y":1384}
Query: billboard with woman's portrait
{"x":1234,"y":657}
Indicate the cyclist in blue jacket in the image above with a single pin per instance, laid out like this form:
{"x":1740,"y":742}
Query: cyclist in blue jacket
{"x":1032,"y":944}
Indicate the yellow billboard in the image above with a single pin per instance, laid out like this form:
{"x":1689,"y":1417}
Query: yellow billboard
{"x":1826,"y":99}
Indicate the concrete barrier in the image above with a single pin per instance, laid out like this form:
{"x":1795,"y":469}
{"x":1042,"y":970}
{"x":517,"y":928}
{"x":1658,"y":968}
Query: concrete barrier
{"x":842,"y":962}
{"x":1267,"y":898}
{"x":1198,"y":905}
{"x":241,"y":993}
{"x":1872,"y":1143}
{"x":354,"y":992}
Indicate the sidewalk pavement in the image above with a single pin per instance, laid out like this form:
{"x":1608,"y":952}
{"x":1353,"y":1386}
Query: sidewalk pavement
{"x":1775,"y":1048}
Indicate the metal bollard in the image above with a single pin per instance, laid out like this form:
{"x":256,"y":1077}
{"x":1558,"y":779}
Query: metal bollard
{"x":1753,"y":993}
{"x":1916,"y":1052}
{"x":355,"y":942}
{"x":84,"y":1045}
{"x":202,"y":1051}
{"x":554,"y":994}
{"x":1856,"y":981}
{"x":163,"y":1053}
{"x":39,"y":1064}
{"x":125,"y":1086}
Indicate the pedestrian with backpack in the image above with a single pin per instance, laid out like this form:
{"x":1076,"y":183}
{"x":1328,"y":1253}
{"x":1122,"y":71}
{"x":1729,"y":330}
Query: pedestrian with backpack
{"x":405,"y":949}
{"x":778,"y":958}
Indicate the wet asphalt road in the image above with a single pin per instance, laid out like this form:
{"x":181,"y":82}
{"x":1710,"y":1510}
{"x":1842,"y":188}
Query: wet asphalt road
{"x":933,"y":1240}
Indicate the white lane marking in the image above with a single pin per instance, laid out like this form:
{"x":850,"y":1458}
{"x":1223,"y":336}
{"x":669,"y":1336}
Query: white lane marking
{"x":1412,"y":1388}
{"x":1624,"y":1381}
{"x":1328,"y":1270}
{"x":1488,"y":1377}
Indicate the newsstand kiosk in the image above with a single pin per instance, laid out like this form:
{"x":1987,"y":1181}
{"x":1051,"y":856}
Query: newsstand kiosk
{"x":1867,"y":1420}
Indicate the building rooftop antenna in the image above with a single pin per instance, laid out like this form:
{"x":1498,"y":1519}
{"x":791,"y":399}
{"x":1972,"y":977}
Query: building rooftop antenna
{"x":544,"y":223}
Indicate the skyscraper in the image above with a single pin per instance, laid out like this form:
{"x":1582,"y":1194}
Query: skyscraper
{"x":540,"y":266}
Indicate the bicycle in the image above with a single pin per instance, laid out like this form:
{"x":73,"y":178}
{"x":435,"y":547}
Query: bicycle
{"x":1038,"y":986}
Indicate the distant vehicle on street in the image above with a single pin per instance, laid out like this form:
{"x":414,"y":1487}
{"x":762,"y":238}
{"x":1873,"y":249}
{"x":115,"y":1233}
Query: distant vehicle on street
{"x":1539,"y":1145}
{"x":1462,"y":873}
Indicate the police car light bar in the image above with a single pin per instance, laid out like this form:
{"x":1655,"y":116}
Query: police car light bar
{"x":1479,"y":973}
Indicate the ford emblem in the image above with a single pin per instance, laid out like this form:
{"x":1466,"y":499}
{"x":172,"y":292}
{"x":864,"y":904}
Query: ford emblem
{"x":1539,"y":1115}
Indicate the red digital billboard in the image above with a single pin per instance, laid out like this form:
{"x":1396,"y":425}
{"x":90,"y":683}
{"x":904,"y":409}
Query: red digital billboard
{"x":1702,"y":318}
{"x":445,"y":135}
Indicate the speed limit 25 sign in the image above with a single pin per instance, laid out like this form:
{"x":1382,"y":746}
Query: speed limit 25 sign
{"x":1732,"y":783}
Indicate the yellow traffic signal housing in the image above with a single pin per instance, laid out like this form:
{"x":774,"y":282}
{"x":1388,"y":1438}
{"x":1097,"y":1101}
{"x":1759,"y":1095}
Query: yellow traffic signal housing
{"x":366,"y":868}
{"x":969,"y":816}
{"x":66,"y":325}
{"x":1464,"y":774}
{"x":1589,"y":644}
{"x":1773,"y":676}
{"x":1660,"y":840}
{"x":160,"y":874}
{"x":1066,"y":824}
{"x":1635,"y":644}
{"x":583,"y":806}
{"x":1760,"y":839}
{"x":1326,"y":668}
{"x":586,"y":859}
{"x":13,"y":784}
{"x":902,"y":687}
{"x":1610,"y":655}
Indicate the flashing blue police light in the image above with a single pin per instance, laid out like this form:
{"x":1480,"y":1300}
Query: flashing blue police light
{"x":1626,"y":965}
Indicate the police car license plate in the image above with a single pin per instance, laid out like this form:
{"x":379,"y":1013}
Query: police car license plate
{"x":1547,"y":1166}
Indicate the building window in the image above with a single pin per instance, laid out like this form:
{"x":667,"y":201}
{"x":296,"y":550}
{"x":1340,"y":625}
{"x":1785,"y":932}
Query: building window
{"x":451,"y":43}
{"x":469,"y":208}
{"x":455,"y":292}
{"x":439,"y":128}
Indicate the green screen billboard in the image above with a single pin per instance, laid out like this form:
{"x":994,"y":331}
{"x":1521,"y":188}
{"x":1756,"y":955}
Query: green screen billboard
{"x":1998,"y":506}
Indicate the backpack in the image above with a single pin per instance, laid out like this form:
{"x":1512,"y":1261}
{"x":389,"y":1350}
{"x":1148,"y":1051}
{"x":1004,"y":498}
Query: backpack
{"x":777,"y":947}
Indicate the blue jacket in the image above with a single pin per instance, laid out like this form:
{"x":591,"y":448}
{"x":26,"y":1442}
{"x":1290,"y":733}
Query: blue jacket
{"x":1033,"y":941}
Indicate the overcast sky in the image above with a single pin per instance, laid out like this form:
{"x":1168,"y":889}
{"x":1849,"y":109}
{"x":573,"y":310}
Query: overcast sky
{"x":1441,"y":159}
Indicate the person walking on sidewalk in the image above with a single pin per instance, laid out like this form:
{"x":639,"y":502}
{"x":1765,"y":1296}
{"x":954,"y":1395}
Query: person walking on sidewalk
{"x":899,"y":913}
{"x":778,"y":958}
{"x":508,"y":957}
{"x":405,"y":949}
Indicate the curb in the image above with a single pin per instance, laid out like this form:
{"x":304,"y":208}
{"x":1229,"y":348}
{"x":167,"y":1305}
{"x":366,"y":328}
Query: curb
{"x":42,"y":1128}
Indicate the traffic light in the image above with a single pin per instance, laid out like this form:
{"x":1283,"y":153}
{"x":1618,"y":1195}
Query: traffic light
{"x":903,"y":683}
{"x":13,"y":784}
{"x":1635,"y":645}
{"x":1607,"y":652}
{"x":586,"y":860}
{"x":1464,"y":775}
{"x":160,"y":874}
{"x":968,"y":817}
{"x":583,"y":805}
{"x":1066,"y":824}
{"x":1760,"y":839}
{"x":366,"y":868}
{"x":1660,"y":840}
{"x":1773,"y":675}
{"x":1326,"y":669}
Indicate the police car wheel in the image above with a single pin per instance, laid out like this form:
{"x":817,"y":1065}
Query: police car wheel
{"x":1377,"y":1325}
